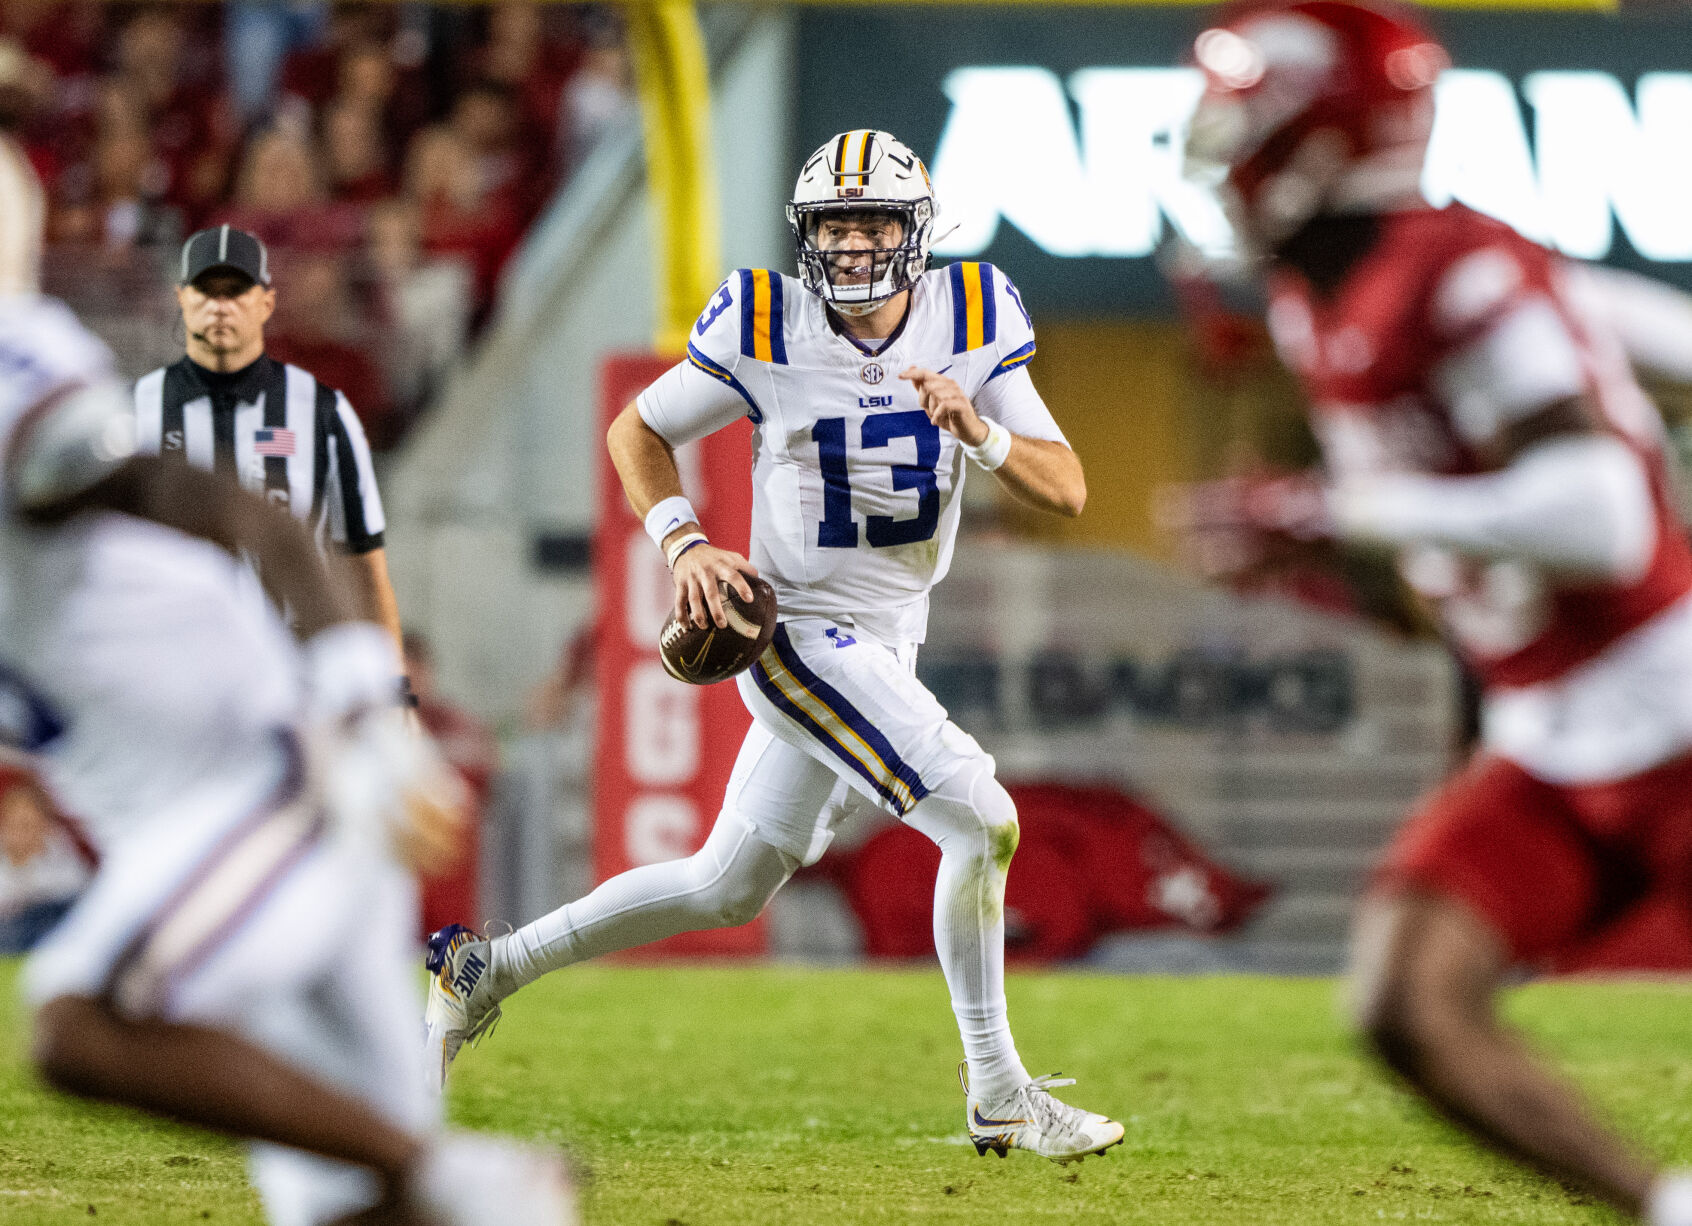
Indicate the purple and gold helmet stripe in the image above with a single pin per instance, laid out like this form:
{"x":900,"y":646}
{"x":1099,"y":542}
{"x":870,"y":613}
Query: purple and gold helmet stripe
{"x":852,"y":158}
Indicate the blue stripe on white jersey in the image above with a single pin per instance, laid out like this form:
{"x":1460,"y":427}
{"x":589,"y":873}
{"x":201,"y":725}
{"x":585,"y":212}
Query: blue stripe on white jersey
{"x":724,"y":375}
{"x":1020,"y":357}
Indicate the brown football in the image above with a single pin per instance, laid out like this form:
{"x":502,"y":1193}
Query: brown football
{"x":716,"y":653}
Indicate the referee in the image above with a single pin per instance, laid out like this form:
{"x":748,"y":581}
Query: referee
{"x":228,"y":407}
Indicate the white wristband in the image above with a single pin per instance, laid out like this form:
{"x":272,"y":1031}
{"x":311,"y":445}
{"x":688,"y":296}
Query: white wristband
{"x":681,"y":545}
{"x":349,"y":667}
{"x":991,"y":451}
{"x":667,"y":516}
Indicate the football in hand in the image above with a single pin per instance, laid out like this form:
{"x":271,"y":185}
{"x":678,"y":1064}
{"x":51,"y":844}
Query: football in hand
{"x":705,"y":656}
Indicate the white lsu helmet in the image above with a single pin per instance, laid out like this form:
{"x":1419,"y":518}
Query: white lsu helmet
{"x":23,"y":214}
{"x":863,"y":171}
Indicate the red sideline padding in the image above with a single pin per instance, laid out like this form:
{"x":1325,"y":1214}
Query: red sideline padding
{"x":1092,"y":861}
{"x":665,"y":750}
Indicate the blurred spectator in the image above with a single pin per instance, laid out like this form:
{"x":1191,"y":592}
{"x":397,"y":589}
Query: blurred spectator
{"x":280,"y":196}
{"x":486,"y":120}
{"x":116,"y":199}
{"x":566,"y":691}
{"x":65,"y":38}
{"x":425,"y":303}
{"x":532,"y":61}
{"x":370,"y":72}
{"x":415,"y":143}
{"x":597,"y":101}
{"x":258,"y":34}
{"x":456,"y":219}
{"x":355,"y":155}
{"x":26,"y":93}
{"x":189,"y":122}
{"x":42,"y":866}
{"x":470,"y":748}
{"x":316,"y":328}
{"x":540,"y":845}
{"x":315,"y":71}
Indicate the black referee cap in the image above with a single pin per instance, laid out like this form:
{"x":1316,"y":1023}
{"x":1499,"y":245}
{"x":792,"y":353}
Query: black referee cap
{"x":224,"y":247}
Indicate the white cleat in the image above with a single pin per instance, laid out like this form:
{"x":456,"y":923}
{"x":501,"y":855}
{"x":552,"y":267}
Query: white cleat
{"x":462,"y":1006}
{"x":1030,"y":1118}
{"x":471,"y":1180}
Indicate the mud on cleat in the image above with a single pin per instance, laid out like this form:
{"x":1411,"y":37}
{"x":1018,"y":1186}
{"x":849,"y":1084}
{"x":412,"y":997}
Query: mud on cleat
{"x":462,"y":1006}
{"x":1030,"y":1118}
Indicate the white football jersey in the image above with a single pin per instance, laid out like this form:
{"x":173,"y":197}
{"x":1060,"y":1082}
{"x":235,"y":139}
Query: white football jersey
{"x":855,"y":492}
{"x":132,"y":659}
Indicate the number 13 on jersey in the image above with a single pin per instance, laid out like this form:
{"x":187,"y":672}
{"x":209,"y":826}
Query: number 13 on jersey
{"x":838,"y":530}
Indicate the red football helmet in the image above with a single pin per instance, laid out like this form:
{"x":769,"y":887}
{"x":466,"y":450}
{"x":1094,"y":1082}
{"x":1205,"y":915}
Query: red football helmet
{"x":1311,"y":107}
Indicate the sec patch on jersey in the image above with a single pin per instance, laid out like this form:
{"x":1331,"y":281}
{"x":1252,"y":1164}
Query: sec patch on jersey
{"x":716,"y":653}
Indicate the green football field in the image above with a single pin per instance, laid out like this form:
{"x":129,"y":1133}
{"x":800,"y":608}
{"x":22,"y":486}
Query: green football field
{"x":728,"y":1096}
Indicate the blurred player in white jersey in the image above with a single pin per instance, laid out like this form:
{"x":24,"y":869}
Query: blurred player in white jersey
{"x":871,"y":382}
{"x":1475,"y":418}
{"x":250,"y":799}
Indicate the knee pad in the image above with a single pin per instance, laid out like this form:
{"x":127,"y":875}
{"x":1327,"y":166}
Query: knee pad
{"x":987,"y":796}
{"x":740,"y":872}
{"x":971,"y":802}
{"x":997,"y":811}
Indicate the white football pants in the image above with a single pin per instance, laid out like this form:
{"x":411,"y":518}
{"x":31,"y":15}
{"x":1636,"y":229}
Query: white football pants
{"x":776,"y":788}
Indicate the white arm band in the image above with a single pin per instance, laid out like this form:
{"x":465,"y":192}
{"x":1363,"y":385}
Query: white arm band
{"x":1581,"y":505}
{"x":667,"y":516}
{"x":81,"y":434}
{"x":991,"y":451}
{"x":350,"y":667}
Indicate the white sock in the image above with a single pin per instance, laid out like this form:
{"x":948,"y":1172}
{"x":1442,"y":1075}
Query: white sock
{"x":1670,"y":1200}
{"x":723,"y":884}
{"x":969,"y":919}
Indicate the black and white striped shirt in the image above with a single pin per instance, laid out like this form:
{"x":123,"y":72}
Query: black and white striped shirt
{"x":281,"y":432}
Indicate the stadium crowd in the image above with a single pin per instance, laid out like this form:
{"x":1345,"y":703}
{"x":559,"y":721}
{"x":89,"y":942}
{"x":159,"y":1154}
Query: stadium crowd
{"x":391,"y":156}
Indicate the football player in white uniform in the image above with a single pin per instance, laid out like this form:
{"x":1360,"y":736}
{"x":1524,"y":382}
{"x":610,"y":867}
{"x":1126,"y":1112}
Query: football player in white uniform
{"x":871,"y":382}
{"x":250,"y":918}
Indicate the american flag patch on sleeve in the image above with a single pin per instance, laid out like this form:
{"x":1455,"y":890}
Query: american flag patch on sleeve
{"x":273,"y":441}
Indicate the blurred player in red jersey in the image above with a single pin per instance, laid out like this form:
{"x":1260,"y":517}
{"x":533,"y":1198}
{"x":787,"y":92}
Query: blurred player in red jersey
{"x":1474,"y":421}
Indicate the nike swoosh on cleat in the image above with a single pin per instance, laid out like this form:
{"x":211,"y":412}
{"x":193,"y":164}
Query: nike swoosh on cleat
{"x":982,"y":1121}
